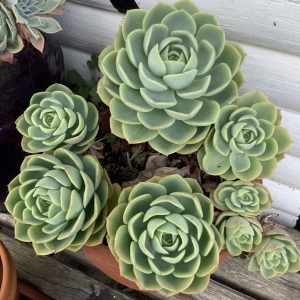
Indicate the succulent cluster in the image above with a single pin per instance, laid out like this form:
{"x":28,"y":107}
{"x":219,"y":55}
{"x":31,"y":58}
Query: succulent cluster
{"x":172,"y":80}
{"x":246,"y":141}
{"x":162,"y":235}
{"x":57,"y":118}
{"x":242,"y":197}
{"x":276,"y":255}
{"x":24,"y":20}
{"x":166,"y":76}
{"x":60,"y":201}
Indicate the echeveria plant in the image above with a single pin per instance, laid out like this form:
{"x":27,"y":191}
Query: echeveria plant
{"x":246,"y":141}
{"x":166,"y":76}
{"x":162,"y":235}
{"x":239,"y":233}
{"x":57,"y":118}
{"x":10,"y":41}
{"x":276,"y":255}
{"x":242,"y":197}
{"x":26,"y":20}
{"x":60,"y":201}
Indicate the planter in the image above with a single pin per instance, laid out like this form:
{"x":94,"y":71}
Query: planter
{"x":8,"y":276}
{"x":102,"y":258}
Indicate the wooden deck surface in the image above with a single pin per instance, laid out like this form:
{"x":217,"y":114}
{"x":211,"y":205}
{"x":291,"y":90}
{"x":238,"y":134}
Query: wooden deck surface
{"x":70,"y":276}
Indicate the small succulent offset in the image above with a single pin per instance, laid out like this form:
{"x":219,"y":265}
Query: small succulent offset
{"x":10,"y":41}
{"x":242,"y":197}
{"x":60,"y":201}
{"x":27,"y":18}
{"x":276,"y":255}
{"x":166,"y":76}
{"x":246,"y":141}
{"x":239,"y":233}
{"x":162,"y":235}
{"x":57,"y":118}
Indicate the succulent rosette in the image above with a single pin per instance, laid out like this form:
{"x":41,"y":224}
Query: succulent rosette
{"x":276,"y":255}
{"x":166,"y":76}
{"x":60,"y":201}
{"x":242,"y":197}
{"x":10,"y":41}
{"x":57,"y":118}
{"x":247,"y":141}
{"x":33,"y":14}
{"x":162,"y":235}
{"x":239,"y":233}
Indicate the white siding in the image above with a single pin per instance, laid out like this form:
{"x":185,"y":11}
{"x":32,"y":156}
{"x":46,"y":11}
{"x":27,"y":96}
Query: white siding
{"x":268,"y":30}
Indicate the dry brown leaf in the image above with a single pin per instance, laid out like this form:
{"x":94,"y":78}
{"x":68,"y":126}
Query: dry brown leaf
{"x":97,"y":154}
{"x":268,"y":227}
{"x":183,"y":171}
{"x":164,"y":171}
{"x":209,"y":186}
{"x":196,"y":174}
{"x":98,"y":146}
{"x":56,"y":12}
{"x":39,"y":43}
{"x":156,"y":161}
{"x":7,"y":56}
{"x":147,"y":174}
{"x":141,"y":158}
{"x":126,"y":184}
{"x":184,"y":159}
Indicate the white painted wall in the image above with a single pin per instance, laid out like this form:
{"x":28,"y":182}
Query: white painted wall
{"x":268,"y":30}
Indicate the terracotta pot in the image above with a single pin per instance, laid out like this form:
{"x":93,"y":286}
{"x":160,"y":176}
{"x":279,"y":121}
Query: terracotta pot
{"x":30,"y":293}
{"x":102,"y":258}
{"x":8,"y":276}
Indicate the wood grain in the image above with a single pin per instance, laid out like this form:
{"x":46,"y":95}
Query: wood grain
{"x":231,"y":281}
{"x":53,"y":278}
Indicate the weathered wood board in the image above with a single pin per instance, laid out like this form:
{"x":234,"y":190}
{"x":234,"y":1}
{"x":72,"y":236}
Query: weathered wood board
{"x":70,"y":275}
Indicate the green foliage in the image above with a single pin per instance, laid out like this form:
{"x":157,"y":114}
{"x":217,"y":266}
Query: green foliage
{"x":246,"y":140}
{"x":162,"y":235}
{"x":9,"y":38}
{"x":240,"y":234}
{"x":86,"y":90}
{"x":276,"y":255}
{"x":58,"y":118}
{"x":34,"y":15}
{"x":60,"y":201}
{"x":242,"y":197}
{"x":166,"y":76}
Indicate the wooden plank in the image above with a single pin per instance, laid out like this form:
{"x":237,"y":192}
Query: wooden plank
{"x":231,"y":281}
{"x":53,"y":278}
{"x":234,"y":273}
{"x":224,"y":292}
{"x":261,"y":23}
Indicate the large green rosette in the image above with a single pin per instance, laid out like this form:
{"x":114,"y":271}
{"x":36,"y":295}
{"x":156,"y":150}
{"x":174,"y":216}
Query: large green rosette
{"x":166,"y":76}
{"x":57,"y":118}
{"x":247,"y":141}
{"x":276,"y":255}
{"x":162,"y":235}
{"x":60,"y":201}
{"x":242,"y":197}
